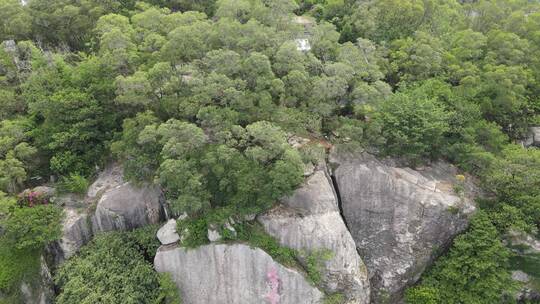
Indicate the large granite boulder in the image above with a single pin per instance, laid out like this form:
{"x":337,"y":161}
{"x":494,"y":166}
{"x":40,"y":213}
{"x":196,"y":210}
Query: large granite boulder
{"x":119,"y":205}
{"x":127,"y":206}
{"x":122,"y":205}
{"x":401,"y":219}
{"x":76,"y":232}
{"x":233,"y":274}
{"x":310,"y":221}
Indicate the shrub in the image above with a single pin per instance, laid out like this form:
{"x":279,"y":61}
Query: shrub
{"x":315,"y":262}
{"x":109,"y":268}
{"x":255,"y":236}
{"x":411,"y":128}
{"x":336,"y":298}
{"x":146,"y":240}
{"x":24,"y":232}
{"x":32,"y":198}
{"x":16,"y":266}
{"x":75,"y":183}
{"x":30,"y":228}
{"x":194,"y":231}
{"x":474,"y":271}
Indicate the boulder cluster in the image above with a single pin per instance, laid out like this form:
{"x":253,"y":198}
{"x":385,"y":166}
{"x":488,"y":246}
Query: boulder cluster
{"x":382,"y":224}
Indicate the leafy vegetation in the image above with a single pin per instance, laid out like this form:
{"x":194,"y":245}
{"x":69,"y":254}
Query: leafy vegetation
{"x":113,"y":266}
{"x":24,"y":232}
{"x":478,"y":253}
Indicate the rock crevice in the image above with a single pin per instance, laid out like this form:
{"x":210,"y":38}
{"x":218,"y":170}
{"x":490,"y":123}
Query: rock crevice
{"x":400,"y":218}
{"x":310,"y":221}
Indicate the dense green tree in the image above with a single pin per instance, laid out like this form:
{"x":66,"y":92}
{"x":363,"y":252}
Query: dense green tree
{"x":474,"y":271}
{"x":411,"y":128}
{"x":16,"y":21}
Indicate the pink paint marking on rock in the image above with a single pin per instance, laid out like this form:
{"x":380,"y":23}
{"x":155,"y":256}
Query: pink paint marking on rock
{"x":273,"y":296}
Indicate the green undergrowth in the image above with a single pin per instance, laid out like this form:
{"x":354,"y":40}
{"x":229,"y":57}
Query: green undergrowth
{"x":16,"y":266}
{"x":116,"y":265}
{"x":335,"y":298}
{"x":313,"y":261}
{"x":255,"y":236}
{"x":530,"y":264}
{"x":74,"y":183}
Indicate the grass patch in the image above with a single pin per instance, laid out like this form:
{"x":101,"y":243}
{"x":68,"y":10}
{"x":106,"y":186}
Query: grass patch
{"x":194,"y":232}
{"x":336,"y":298}
{"x":74,"y":183}
{"x":314,"y":262}
{"x":255,"y":236}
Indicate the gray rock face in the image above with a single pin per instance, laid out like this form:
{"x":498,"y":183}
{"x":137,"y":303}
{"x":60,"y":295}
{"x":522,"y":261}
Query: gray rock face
{"x":233,"y":274}
{"x":167,"y":233}
{"x":76,"y":232}
{"x":127,"y":207}
{"x":111,"y":177}
{"x":520,"y":276}
{"x":399,"y":218}
{"x":310,"y":221}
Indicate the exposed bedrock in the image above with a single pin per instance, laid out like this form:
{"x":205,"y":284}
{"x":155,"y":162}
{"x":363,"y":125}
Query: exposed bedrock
{"x":233,"y":274}
{"x":401,"y":219}
{"x":309,"y":221}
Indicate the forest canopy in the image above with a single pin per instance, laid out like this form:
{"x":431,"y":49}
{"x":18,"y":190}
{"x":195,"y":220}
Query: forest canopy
{"x":215,"y":90}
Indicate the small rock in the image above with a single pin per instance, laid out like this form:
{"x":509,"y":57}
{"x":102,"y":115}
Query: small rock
{"x":520,"y":276}
{"x":297,"y":141}
{"x":517,"y":238}
{"x":309,"y":168}
{"x":183,"y":216}
{"x":213,"y":234}
{"x":47,"y":192}
{"x":535,"y":131}
{"x":250,"y":217}
{"x":167,"y":234}
{"x":533,"y":137}
{"x":229,"y":227}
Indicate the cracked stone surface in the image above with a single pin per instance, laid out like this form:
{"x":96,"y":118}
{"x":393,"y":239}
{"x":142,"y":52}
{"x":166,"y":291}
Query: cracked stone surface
{"x":126,"y":207}
{"x":310,"y":221}
{"x":76,"y":232}
{"x":400,"y":218}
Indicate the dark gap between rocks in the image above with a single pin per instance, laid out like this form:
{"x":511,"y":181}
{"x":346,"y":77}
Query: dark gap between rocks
{"x":340,"y":206}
